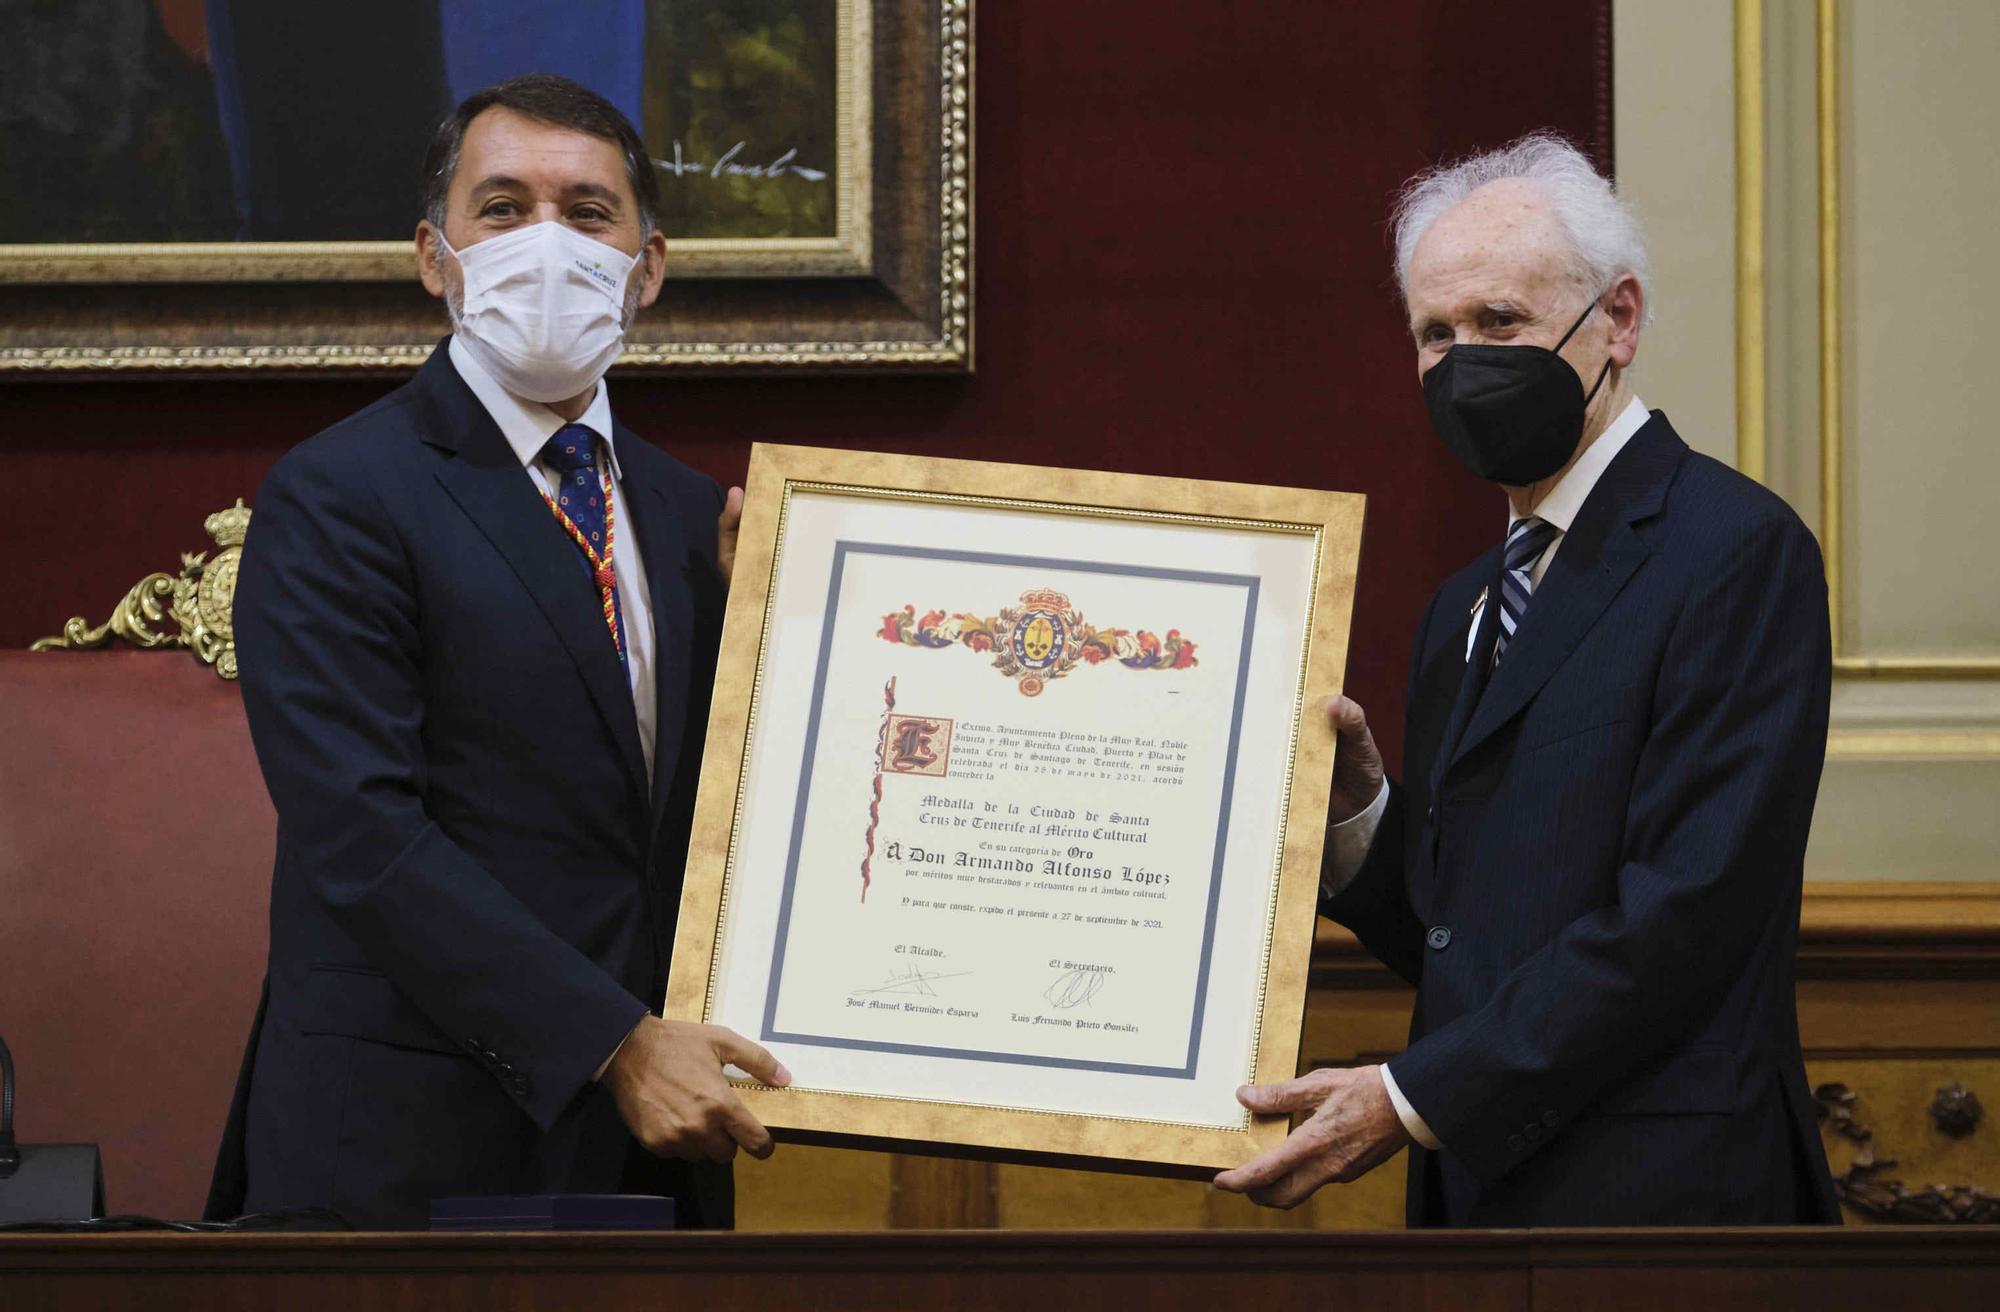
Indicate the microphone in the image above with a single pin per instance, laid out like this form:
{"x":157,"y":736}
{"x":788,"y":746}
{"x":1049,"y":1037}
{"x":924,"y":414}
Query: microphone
{"x":44,"y":1182}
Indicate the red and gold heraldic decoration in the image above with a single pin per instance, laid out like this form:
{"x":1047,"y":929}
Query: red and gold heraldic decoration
{"x":1043,"y":638}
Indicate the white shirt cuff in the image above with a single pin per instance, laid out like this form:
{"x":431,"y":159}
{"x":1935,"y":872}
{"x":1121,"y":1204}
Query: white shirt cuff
{"x":605,"y":1065}
{"x":1349,"y":843}
{"x":1406,"y":1113}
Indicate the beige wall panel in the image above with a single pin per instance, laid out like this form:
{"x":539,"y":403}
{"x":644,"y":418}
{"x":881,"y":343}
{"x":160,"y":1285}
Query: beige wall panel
{"x":1909,"y":819}
{"x":1791,"y":256}
{"x":1921,"y":196}
{"x":1863,"y":707}
{"x":1674,"y":115}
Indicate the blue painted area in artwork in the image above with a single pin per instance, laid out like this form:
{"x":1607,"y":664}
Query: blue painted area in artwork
{"x":229,"y":107}
{"x":600,"y":43}
{"x":841,"y":551}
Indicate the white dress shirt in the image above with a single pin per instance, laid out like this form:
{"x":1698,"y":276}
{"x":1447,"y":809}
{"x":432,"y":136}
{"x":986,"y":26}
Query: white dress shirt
{"x":527,"y":426}
{"x":1351,"y":838}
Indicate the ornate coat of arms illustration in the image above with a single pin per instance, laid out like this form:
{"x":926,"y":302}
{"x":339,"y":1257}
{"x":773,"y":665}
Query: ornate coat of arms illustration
{"x":1043,"y":638}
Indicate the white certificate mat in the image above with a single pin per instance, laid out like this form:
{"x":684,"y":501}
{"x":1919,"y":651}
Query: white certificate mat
{"x":1008,"y":818}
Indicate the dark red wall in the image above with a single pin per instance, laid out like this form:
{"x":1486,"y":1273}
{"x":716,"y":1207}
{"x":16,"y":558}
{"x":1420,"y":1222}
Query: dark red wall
{"x":1182,"y":269}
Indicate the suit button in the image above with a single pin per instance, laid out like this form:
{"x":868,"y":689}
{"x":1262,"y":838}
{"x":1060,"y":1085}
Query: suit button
{"x":1550,"y":1119}
{"x":505,"y":1069}
{"x":1515,"y":1143}
{"x":1534,"y":1132}
{"x":1439,"y":938}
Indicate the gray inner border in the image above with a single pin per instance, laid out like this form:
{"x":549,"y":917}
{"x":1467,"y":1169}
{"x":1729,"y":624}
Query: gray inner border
{"x":841,"y":550}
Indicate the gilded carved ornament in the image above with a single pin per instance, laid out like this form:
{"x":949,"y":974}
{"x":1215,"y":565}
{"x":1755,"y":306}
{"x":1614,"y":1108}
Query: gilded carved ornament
{"x":191,"y":610}
{"x":1955,"y":1112}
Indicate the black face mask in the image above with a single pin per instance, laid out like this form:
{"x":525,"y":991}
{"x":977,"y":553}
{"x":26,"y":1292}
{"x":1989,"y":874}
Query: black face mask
{"x":1513,"y":414}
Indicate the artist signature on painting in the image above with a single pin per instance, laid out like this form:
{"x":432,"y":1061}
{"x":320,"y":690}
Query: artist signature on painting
{"x":1074,"y":988}
{"x":913,"y":980}
{"x":732,"y":164}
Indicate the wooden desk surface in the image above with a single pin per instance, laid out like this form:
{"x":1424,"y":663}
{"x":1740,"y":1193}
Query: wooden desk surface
{"x":1823,"y":1270}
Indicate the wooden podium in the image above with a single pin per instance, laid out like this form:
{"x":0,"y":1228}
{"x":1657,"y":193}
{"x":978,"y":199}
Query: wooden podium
{"x":1813,"y":1270}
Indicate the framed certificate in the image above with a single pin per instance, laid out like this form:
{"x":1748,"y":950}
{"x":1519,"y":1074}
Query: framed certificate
{"x":1011,"y":810}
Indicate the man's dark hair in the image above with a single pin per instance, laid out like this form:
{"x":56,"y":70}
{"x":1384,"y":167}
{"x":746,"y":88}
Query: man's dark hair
{"x":549,"y":99}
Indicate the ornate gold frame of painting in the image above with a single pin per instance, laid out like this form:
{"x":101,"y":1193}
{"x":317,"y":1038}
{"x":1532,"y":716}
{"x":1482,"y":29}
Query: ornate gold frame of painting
{"x":1333,"y":523}
{"x":891,"y":288}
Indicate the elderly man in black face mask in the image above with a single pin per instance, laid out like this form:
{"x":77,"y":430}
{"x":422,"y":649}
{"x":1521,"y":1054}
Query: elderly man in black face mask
{"x":1591,"y":868}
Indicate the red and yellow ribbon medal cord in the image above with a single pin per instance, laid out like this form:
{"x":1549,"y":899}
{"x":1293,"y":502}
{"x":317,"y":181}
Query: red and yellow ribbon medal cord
{"x":600,"y":564}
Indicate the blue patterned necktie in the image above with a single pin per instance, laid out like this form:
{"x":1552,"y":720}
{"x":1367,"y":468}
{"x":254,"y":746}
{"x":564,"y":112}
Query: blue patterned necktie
{"x":1526,"y":541}
{"x":582,"y":504}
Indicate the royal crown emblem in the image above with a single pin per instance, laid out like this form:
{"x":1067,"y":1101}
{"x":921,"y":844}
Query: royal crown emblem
{"x":1043,"y":638}
{"x":192,"y":610}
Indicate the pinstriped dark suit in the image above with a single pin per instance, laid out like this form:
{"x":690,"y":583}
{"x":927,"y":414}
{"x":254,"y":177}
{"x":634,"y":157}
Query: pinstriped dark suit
{"x":1596,"y":889}
{"x":472,"y":901}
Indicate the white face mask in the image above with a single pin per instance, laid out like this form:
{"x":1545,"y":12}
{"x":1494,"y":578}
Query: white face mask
{"x":544,"y":308}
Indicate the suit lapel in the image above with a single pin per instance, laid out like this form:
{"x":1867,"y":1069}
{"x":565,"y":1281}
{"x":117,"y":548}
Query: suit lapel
{"x":489,"y":485}
{"x":1475,"y":672}
{"x":1440,"y":686}
{"x":663,"y":549}
{"x":1598,"y":555}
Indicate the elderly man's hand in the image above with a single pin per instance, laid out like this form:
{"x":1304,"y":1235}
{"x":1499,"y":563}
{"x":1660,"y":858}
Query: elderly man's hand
{"x":668,"y":1083}
{"x":1353,"y":1129}
{"x":725,"y":532}
{"x":1357,"y":765}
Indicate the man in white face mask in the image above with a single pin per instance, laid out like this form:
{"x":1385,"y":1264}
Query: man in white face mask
{"x":477,"y":625}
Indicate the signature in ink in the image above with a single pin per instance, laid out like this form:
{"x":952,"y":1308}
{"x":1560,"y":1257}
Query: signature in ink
{"x":1074,"y":988}
{"x":730,"y":166}
{"x":912,"y":979}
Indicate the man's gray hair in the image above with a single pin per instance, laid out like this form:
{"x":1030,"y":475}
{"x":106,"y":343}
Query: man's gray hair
{"x":1604,"y":236}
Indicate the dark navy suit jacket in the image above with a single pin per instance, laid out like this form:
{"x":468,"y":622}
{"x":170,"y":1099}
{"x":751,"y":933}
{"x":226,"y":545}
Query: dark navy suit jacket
{"x":1591,"y":870}
{"x":475,"y":886}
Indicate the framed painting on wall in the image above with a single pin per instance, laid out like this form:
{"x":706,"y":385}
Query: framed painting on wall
{"x":214,"y":186}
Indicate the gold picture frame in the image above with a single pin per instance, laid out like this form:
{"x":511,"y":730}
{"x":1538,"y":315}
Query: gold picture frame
{"x":890,"y":288}
{"x":721,"y":882}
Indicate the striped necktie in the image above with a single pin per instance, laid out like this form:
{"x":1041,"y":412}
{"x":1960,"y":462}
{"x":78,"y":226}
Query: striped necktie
{"x":1526,"y":541}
